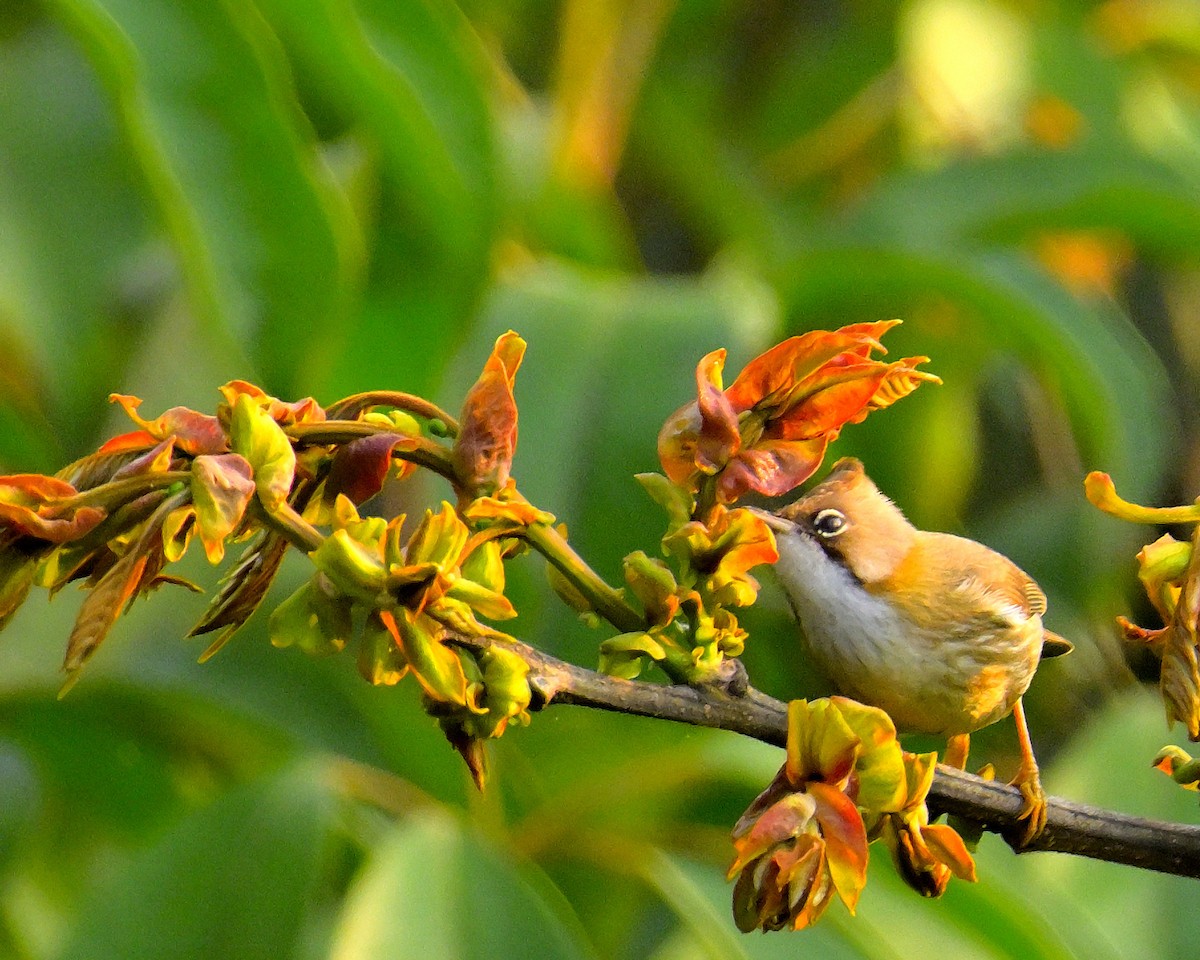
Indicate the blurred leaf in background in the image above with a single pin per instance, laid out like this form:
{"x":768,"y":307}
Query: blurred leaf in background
{"x":327,"y":196}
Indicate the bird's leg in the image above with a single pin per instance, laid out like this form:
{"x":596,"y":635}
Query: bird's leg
{"x":1028,"y":781}
{"x":957,"y":748}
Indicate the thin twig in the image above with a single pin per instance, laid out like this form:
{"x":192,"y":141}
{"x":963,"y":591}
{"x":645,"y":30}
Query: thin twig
{"x":1071,"y":827}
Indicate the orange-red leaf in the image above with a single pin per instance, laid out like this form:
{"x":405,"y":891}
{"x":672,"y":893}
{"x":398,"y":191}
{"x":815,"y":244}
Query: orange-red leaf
{"x":39,"y":506}
{"x":487,"y":438}
{"x":771,"y":467}
{"x":768,"y":431}
{"x":285,"y":414}
{"x":194,"y":432}
{"x":946,"y":846}
{"x":845,"y":841}
{"x":768,"y":377}
{"x":718,"y":439}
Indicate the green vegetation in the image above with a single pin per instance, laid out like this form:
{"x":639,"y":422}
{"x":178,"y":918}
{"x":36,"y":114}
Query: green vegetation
{"x":326,"y":198}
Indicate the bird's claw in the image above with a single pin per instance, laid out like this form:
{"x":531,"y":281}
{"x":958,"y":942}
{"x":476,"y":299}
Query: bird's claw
{"x":1033,"y":812}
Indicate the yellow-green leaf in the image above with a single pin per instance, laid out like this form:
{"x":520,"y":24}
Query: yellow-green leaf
{"x":312,"y":620}
{"x":353,"y":568}
{"x":222,"y":486}
{"x":255,"y":436}
{"x":435,"y":665}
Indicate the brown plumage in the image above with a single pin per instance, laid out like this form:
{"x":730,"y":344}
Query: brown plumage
{"x":940,"y":631}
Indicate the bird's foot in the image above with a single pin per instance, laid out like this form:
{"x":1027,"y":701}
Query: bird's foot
{"x":1034,"y":810}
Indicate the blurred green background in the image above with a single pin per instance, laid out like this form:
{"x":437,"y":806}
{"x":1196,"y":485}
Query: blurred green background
{"x":325,"y":196}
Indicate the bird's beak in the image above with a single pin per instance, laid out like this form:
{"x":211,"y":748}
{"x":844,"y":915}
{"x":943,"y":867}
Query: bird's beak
{"x":776,"y":523}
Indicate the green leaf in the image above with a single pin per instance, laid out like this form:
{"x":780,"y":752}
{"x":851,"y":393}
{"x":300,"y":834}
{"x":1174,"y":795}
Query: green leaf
{"x":263,"y":239}
{"x":221,"y":490}
{"x":675,"y":500}
{"x":622,"y":655}
{"x":312,"y":620}
{"x":351,"y":567}
{"x":408,"y":86}
{"x":436,"y":889}
{"x":435,"y":665}
{"x":253,"y":434}
{"x":236,"y":880}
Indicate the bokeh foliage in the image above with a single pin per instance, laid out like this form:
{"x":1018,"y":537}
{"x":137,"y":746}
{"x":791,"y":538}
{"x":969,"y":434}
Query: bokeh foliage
{"x":327,"y":197}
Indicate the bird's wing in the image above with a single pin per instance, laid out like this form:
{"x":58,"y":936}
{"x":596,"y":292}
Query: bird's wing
{"x":1015,"y":594}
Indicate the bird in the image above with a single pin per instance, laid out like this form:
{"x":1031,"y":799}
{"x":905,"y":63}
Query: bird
{"x":941,"y":632}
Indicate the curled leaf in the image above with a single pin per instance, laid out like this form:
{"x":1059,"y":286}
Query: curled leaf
{"x":926,"y":855}
{"x":654,"y":585}
{"x":487,"y":437}
{"x":380,"y":659}
{"x":1102,"y":493}
{"x":673,"y":498}
{"x":41,"y":507}
{"x":360,"y":466}
{"x":194,"y":433}
{"x":506,"y":508}
{"x":353,"y":567}
{"x":435,"y":665}
{"x":439,"y":538}
{"x":622,"y":655}
{"x":768,"y":431}
{"x":285,"y":414}
{"x":1179,"y":765}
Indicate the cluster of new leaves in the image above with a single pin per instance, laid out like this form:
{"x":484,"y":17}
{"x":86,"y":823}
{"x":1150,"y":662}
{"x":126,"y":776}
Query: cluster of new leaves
{"x":845,"y":782}
{"x":767,"y":432}
{"x":277,"y":474}
{"x":1169,"y":570}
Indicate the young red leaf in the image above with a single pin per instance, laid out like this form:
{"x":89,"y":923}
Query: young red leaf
{"x":771,"y":375}
{"x":845,"y":841}
{"x":195,"y":433}
{"x":285,"y":414}
{"x":718,"y":438}
{"x":39,"y":506}
{"x":487,"y":437}
{"x":768,"y":431}
{"x":360,"y":466}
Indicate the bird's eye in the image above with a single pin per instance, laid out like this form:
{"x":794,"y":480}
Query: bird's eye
{"x":828,"y":523}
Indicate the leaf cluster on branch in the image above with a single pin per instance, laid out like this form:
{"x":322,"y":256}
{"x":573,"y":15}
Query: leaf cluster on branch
{"x":419,"y":597}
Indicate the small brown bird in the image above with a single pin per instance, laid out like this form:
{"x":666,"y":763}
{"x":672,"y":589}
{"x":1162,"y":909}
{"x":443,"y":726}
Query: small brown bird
{"x":941,"y":632}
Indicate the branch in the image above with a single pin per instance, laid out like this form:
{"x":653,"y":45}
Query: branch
{"x":1070,"y":827}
